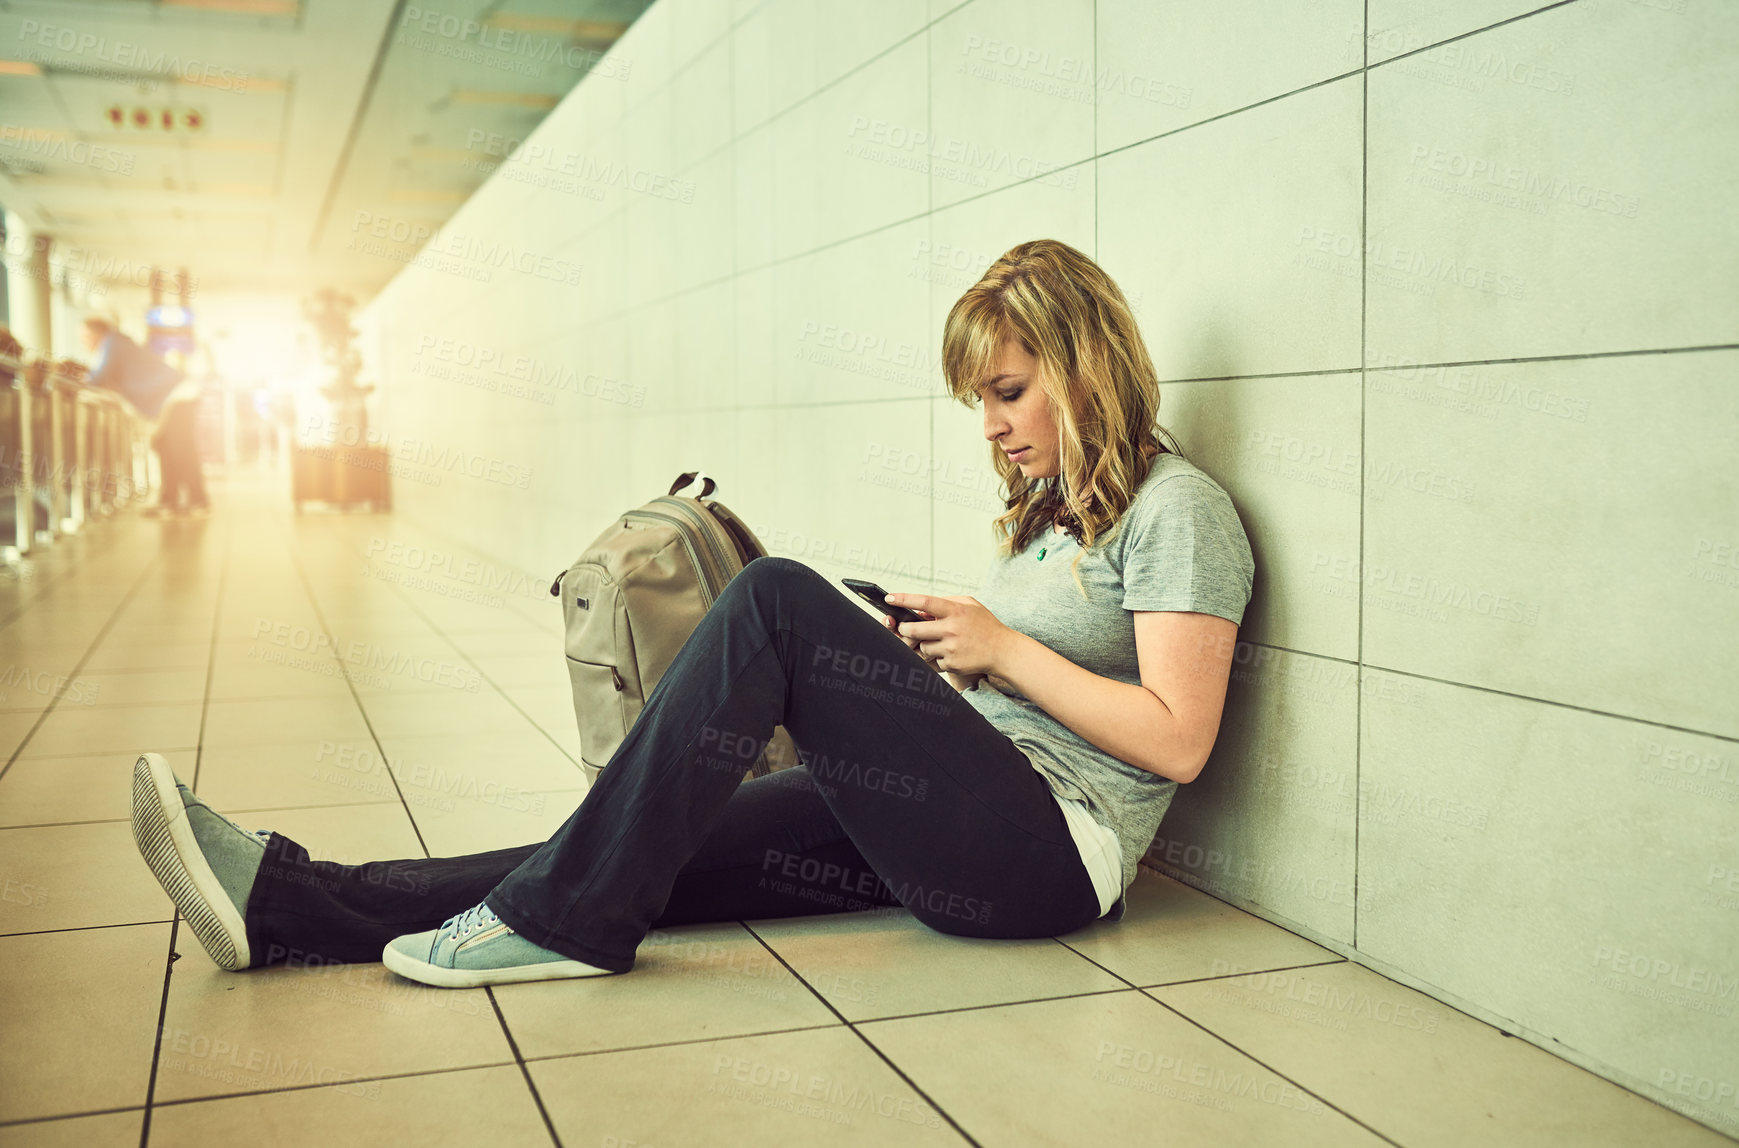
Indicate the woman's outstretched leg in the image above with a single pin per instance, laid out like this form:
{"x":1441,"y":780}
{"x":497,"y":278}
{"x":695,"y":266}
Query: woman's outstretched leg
{"x":943,"y":806}
{"x":319,"y":912}
{"x":289,"y":908}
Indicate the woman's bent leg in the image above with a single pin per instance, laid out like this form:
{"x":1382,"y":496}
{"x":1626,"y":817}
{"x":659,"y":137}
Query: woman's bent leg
{"x":778,"y":852}
{"x":941,"y":804}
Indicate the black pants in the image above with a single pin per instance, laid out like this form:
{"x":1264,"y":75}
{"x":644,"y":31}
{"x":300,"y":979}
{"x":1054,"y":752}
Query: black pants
{"x":906,"y":796}
{"x":177,"y":443}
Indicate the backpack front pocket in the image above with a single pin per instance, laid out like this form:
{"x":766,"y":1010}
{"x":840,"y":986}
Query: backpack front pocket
{"x":599,"y":705}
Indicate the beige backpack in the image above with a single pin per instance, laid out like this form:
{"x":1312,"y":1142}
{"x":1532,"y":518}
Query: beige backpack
{"x":631,"y":600}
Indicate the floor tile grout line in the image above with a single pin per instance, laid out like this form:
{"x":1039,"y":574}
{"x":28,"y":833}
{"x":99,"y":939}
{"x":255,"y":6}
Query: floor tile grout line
{"x":239,"y":809}
{"x":1354,"y":960}
{"x":500,"y":690}
{"x":348,"y":1082}
{"x":211,"y":654}
{"x":87,"y":928}
{"x":449,"y":538}
{"x":96,"y":642}
{"x":235,"y":809}
{"x":1097,"y":964}
{"x":26,"y":1121}
{"x":1249,"y":973}
{"x":198,"y":757}
{"x":524,"y":1070}
{"x":64,"y":824}
{"x":1124,"y":988}
{"x":1333,"y":1107}
{"x":314,"y":604}
{"x":913,"y":1085}
{"x":886,"y":1059}
{"x":548,"y":1056}
{"x":61,"y":574}
{"x":157,"y":1037}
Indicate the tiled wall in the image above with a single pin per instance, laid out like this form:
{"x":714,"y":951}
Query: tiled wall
{"x":1482,"y":731}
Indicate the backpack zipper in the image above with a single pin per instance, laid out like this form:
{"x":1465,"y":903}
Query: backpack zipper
{"x":708,"y":534}
{"x":694,"y":557}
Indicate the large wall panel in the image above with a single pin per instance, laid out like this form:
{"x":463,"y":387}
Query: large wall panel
{"x":1554,"y":531}
{"x":1566,"y":869}
{"x":1215,"y":230}
{"x":1556,"y":190}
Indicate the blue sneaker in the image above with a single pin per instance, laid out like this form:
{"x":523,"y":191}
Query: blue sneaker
{"x":478,"y":948}
{"x":204,"y":861}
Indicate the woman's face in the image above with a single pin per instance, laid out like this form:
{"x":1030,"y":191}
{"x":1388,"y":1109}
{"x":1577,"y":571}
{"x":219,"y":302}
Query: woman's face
{"x":1016,"y":416}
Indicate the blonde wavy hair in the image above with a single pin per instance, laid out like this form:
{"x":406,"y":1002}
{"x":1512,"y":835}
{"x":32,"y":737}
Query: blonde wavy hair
{"x":1096,"y":377}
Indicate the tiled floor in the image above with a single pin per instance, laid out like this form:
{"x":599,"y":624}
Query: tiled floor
{"x":279,"y":664}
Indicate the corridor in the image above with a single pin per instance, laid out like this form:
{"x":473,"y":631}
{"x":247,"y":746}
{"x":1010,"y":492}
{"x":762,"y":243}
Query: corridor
{"x":379,"y":692}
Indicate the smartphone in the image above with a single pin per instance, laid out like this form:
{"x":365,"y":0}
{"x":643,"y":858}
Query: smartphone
{"x":874,"y":594}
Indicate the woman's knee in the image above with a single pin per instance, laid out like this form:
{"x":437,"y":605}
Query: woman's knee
{"x":954,"y":914}
{"x":773,"y":578}
{"x":980,"y":918}
{"x":773,"y":568}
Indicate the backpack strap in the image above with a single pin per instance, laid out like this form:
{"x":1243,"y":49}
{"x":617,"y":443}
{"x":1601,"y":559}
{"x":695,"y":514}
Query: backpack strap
{"x":748,"y":546}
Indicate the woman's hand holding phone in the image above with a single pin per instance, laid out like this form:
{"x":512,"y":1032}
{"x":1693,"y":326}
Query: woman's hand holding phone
{"x":979,"y":623}
{"x":894,"y":615}
{"x":961,"y":681}
{"x":893,"y":624}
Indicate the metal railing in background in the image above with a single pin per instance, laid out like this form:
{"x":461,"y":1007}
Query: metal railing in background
{"x":68,"y":452}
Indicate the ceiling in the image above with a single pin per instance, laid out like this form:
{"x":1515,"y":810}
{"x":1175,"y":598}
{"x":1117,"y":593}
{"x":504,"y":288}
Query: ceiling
{"x":242,"y":138}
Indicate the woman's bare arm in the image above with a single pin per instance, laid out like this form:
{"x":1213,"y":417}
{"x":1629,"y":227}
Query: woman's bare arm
{"x":1168,"y":723}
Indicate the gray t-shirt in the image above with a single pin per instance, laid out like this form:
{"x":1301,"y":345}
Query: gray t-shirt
{"x":1179,"y":547}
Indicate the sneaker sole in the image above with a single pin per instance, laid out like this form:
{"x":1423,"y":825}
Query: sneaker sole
{"x":166,"y":841}
{"x":423,"y":972}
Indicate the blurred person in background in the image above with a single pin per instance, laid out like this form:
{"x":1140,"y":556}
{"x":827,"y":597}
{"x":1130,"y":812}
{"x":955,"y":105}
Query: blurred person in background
{"x":162,"y":395}
{"x":11,"y":351}
{"x":11,"y":459}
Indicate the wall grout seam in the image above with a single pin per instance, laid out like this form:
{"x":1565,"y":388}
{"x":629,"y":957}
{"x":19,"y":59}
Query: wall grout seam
{"x":1364,"y":357}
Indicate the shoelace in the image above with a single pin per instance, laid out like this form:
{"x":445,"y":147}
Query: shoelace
{"x":474,"y":919}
